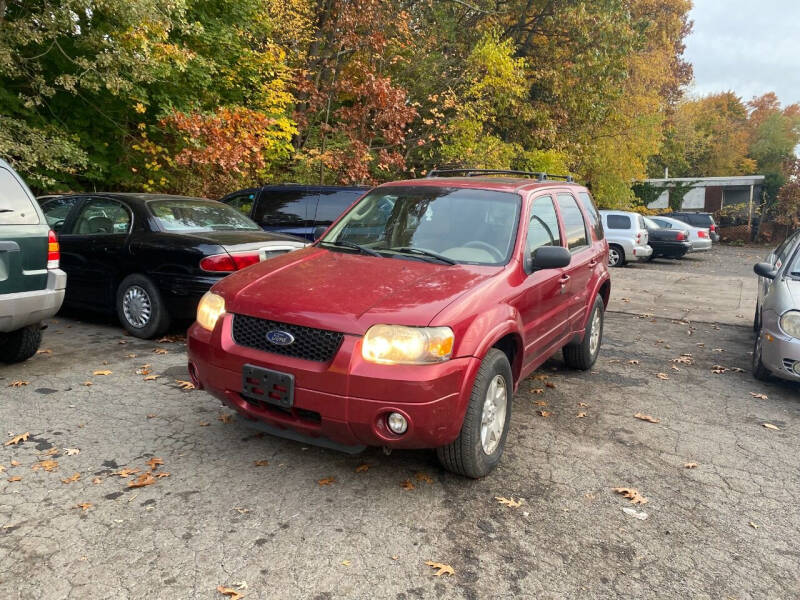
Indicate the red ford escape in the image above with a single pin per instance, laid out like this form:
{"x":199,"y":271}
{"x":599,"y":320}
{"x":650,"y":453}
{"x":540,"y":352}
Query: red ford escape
{"x":413,"y":318}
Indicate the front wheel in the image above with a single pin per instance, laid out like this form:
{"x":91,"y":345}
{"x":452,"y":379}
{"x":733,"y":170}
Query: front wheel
{"x":21,"y":344}
{"x":478,"y":448}
{"x":584,"y":354}
{"x":140,"y":307}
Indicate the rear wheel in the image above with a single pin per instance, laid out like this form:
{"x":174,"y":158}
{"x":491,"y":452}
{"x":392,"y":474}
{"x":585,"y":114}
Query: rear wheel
{"x":21,"y":344}
{"x":760,"y":372}
{"x":616,"y":256}
{"x":584,"y":354}
{"x":140,"y":308}
{"x":478,"y":448}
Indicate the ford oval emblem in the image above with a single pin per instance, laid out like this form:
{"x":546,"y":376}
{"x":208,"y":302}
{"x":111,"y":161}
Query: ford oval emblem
{"x":280,"y":338}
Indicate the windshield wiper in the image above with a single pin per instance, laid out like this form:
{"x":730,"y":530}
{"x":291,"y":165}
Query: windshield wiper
{"x":423,"y":252}
{"x":354,"y":246}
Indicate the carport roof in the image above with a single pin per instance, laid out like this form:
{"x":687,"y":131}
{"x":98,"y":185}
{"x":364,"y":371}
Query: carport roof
{"x":738,"y":180}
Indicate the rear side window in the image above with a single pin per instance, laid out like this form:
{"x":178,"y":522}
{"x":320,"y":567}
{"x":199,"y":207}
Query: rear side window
{"x":242,"y":202}
{"x":333,"y":204}
{"x":618,"y":221}
{"x":574,"y":225}
{"x":101,"y":216}
{"x":16,"y":207}
{"x":290,"y":208}
{"x":594,"y":216}
{"x":543,"y":225}
{"x":56,"y":211}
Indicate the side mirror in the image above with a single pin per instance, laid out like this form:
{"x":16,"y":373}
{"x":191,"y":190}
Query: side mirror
{"x":318,"y":231}
{"x":549,"y":257}
{"x":765,"y":270}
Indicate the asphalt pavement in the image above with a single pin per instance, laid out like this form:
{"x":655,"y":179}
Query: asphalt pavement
{"x":269,"y":518}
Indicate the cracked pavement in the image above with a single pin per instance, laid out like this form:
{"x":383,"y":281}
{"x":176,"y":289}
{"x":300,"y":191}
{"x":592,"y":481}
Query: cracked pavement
{"x":725,"y":529}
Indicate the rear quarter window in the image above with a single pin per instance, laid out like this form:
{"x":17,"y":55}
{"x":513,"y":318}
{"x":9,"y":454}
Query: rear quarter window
{"x":618,"y":222}
{"x":16,"y":206}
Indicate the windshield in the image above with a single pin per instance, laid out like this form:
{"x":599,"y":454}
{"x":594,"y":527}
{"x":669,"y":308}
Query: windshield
{"x":794,"y":266}
{"x":186,"y":214}
{"x":456,"y":225}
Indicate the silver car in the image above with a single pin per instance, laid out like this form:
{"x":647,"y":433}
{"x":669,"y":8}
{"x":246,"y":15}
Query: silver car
{"x":699,"y":236}
{"x":777,"y":319}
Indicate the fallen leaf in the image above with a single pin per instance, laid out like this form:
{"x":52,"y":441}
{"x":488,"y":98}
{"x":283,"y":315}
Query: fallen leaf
{"x":509,"y":502}
{"x":362,"y":468}
{"x":631,"y":494}
{"x":662,"y":375}
{"x":184,"y":385}
{"x":422,"y":476}
{"x":225,"y":418}
{"x":541,"y":377}
{"x":443,"y":569}
{"x":154,"y":463}
{"x":87,"y":383}
{"x":84,"y":506}
{"x":261,"y":463}
{"x":759,"y":396}
{"x":44,"y":351}
{"x":633,"y":361}
{"x":326,"y":481}
{"x":204,"y":424}
{"x":407,"y":485}
{"x":142,"y":480}
{"x":718,"y":369}
{"x":2,"y":468}
{"x":145,"y":370}
{"x":22,"y":437}
{"x":753,"y":525}
{"x":648,"y":418}
{"x":151,"y":377}
{"x":583,"y":405}
{"x":581,"y":415}
{"x":691,"y":465}
{"x":538,"y":390}
{"x":771,"y":426}
{"x":717,"y":350}
{"x":71,"y":451}
{"x":122,"y":342}
{"x":126,"y":472}
{"x":162,"y":474}
{"x":14,"y":478}
{"x":233,"y":594}
{"x":170,"y":339}
{"x":160,"y":351}
{"x":131,"y":355}
{"x":544,"y":413}
{"x":97,"y":480}
{"x":151,"y":416}
{"x":72,"y":478}
{"x":106,"y":372}
{"x":18,"y":383}
{"x":550,"y":384}
{"x":346,"y":563}
{"x":540,"y":403}
{"x":48,"y":465}
{"x":395,"y":557}
{"x":15,"y":463}
{"x":674,"y":368}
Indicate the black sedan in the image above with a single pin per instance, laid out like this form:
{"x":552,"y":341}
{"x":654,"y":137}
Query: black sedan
{"x":151,"y":257}
{"x":669,"y":243}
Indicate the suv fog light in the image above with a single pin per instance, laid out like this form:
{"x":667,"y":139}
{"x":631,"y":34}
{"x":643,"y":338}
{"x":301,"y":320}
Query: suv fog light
{"x":397,"y":423}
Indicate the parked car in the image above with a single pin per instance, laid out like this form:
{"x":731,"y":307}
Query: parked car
{"x":411,"y":328}
{"x":295,"y":209}
{"x":150,"y":257}
{"x":627,"y":237}
{"x":699,"y":236}
{"x":669,"y":243}
{"x":777,"y":320}
{"x":698,"y":219}
{"x":31,"y":282}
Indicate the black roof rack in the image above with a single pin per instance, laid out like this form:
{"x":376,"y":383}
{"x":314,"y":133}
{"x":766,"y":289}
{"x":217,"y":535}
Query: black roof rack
{"x":476,"y":172}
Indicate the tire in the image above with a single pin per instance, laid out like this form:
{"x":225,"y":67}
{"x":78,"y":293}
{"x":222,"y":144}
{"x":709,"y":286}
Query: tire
{"x":757,"y":319}
{"x":760,"y":372}
{"x":21,"y":344}
{"x":583,"y":355}
{"x":467,"y":455}
{"x":616,"y":256}
{"x":140,"y":307}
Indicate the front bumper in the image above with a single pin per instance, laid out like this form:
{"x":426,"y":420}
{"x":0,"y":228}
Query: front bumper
{"x":780,"y":354}
{"x":346,"y":400}
{"x":26,"y":308}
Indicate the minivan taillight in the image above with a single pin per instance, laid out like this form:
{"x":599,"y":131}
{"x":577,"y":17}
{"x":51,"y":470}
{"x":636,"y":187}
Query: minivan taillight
{"x":228,"y":263}
{"x":53,"y":251}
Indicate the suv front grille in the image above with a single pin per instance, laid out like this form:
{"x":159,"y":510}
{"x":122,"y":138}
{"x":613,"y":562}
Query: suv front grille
{"x":311,"y":344}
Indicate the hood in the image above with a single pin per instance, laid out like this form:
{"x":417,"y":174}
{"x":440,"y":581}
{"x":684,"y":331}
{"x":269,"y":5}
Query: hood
{"x":347,"y":292}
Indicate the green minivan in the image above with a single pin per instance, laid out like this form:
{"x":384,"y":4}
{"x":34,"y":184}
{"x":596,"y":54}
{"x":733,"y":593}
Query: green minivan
{"x":31,"y":284}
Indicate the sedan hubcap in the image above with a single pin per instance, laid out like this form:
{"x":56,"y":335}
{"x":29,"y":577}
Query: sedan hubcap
{"x":493,"y":417}
{"x":594,"y":336}
{"x":137,"y":306}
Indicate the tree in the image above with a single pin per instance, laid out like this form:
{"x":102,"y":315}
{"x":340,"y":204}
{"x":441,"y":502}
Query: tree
{"x":788,"y":202}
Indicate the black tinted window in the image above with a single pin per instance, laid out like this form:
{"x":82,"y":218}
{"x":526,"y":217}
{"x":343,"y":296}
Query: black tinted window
{"x":618,"y":222}
{"x":543,"y":225}
{"x":56,"y":211}
{"x":574,"y":225}
{"x":594,"y":216}
{"x":332,"y":204}
{"x":285,"y":208}
{"x":16,"y":207}
{"x":242,"y":202}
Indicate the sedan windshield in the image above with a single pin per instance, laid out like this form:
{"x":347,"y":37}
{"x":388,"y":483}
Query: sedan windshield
{"x":443,"y":225}
{"x":186,"y":214}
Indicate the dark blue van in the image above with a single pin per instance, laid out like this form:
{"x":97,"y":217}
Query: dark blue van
{"x":294,"y":209}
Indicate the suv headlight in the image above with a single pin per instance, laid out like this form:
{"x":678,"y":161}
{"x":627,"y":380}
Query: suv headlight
{"x":790,"y":323}
{"x":397,"y":344}
{"x":209,"y":310}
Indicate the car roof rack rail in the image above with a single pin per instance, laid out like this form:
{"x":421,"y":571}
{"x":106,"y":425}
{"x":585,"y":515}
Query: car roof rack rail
{"x":540,"y":176}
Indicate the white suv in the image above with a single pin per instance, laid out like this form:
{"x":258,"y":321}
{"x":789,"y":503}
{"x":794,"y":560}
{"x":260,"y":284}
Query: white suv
{"x":626,"y":233}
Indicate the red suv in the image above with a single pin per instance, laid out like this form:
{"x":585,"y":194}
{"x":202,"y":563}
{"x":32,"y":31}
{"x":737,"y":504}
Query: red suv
{"x":410,"y":322}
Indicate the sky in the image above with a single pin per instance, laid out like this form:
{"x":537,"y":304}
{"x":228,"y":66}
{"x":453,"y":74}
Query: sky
{"x":748,"y":47}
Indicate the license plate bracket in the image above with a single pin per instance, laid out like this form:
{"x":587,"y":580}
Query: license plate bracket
{"x":272,"y":387}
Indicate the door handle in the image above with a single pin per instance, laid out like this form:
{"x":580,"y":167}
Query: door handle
{"x":593,"y":263}
{"x":564,"y":279}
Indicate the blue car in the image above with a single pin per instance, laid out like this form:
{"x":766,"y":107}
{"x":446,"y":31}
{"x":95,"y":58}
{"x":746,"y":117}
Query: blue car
{"x":294,"y":209}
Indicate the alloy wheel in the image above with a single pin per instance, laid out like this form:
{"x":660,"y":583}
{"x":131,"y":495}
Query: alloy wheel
{"x":613,"y":257}
{"x":596,"y":328}
{"x":493,"y":416}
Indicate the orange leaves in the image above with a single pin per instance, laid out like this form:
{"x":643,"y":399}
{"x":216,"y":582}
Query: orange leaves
{"x":771,"y":426}
{"x":424,"y":477}
{"x":72,"y":478}
{"x":326,"y":481}
{"x":759,"y":396}
{"x":362,"y":468}
{"x":103,"y":372}
{"x":225,"y":418}
{"x":261,"y":463}
{"x":154,"y":463}
{"x":84,"y":506}
{"x":631,"y":494}
{"x":14,"y":478}
{"x":48,"y":465}
{"x":142,"y":480}
{"x":509,"y":502}
{"x":124,"y":473}
{"x":662,"y":376}
{"x":407,"y":485}
{"x":185,"y":385}
{"x":690,"y":465}
{"x":648,"y":418}
{"x":18,"y":383}
{"x":230,"y":592}
{"x":22,"y":437}
{"x":441,"y":568}
{"x":544,"y":413}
